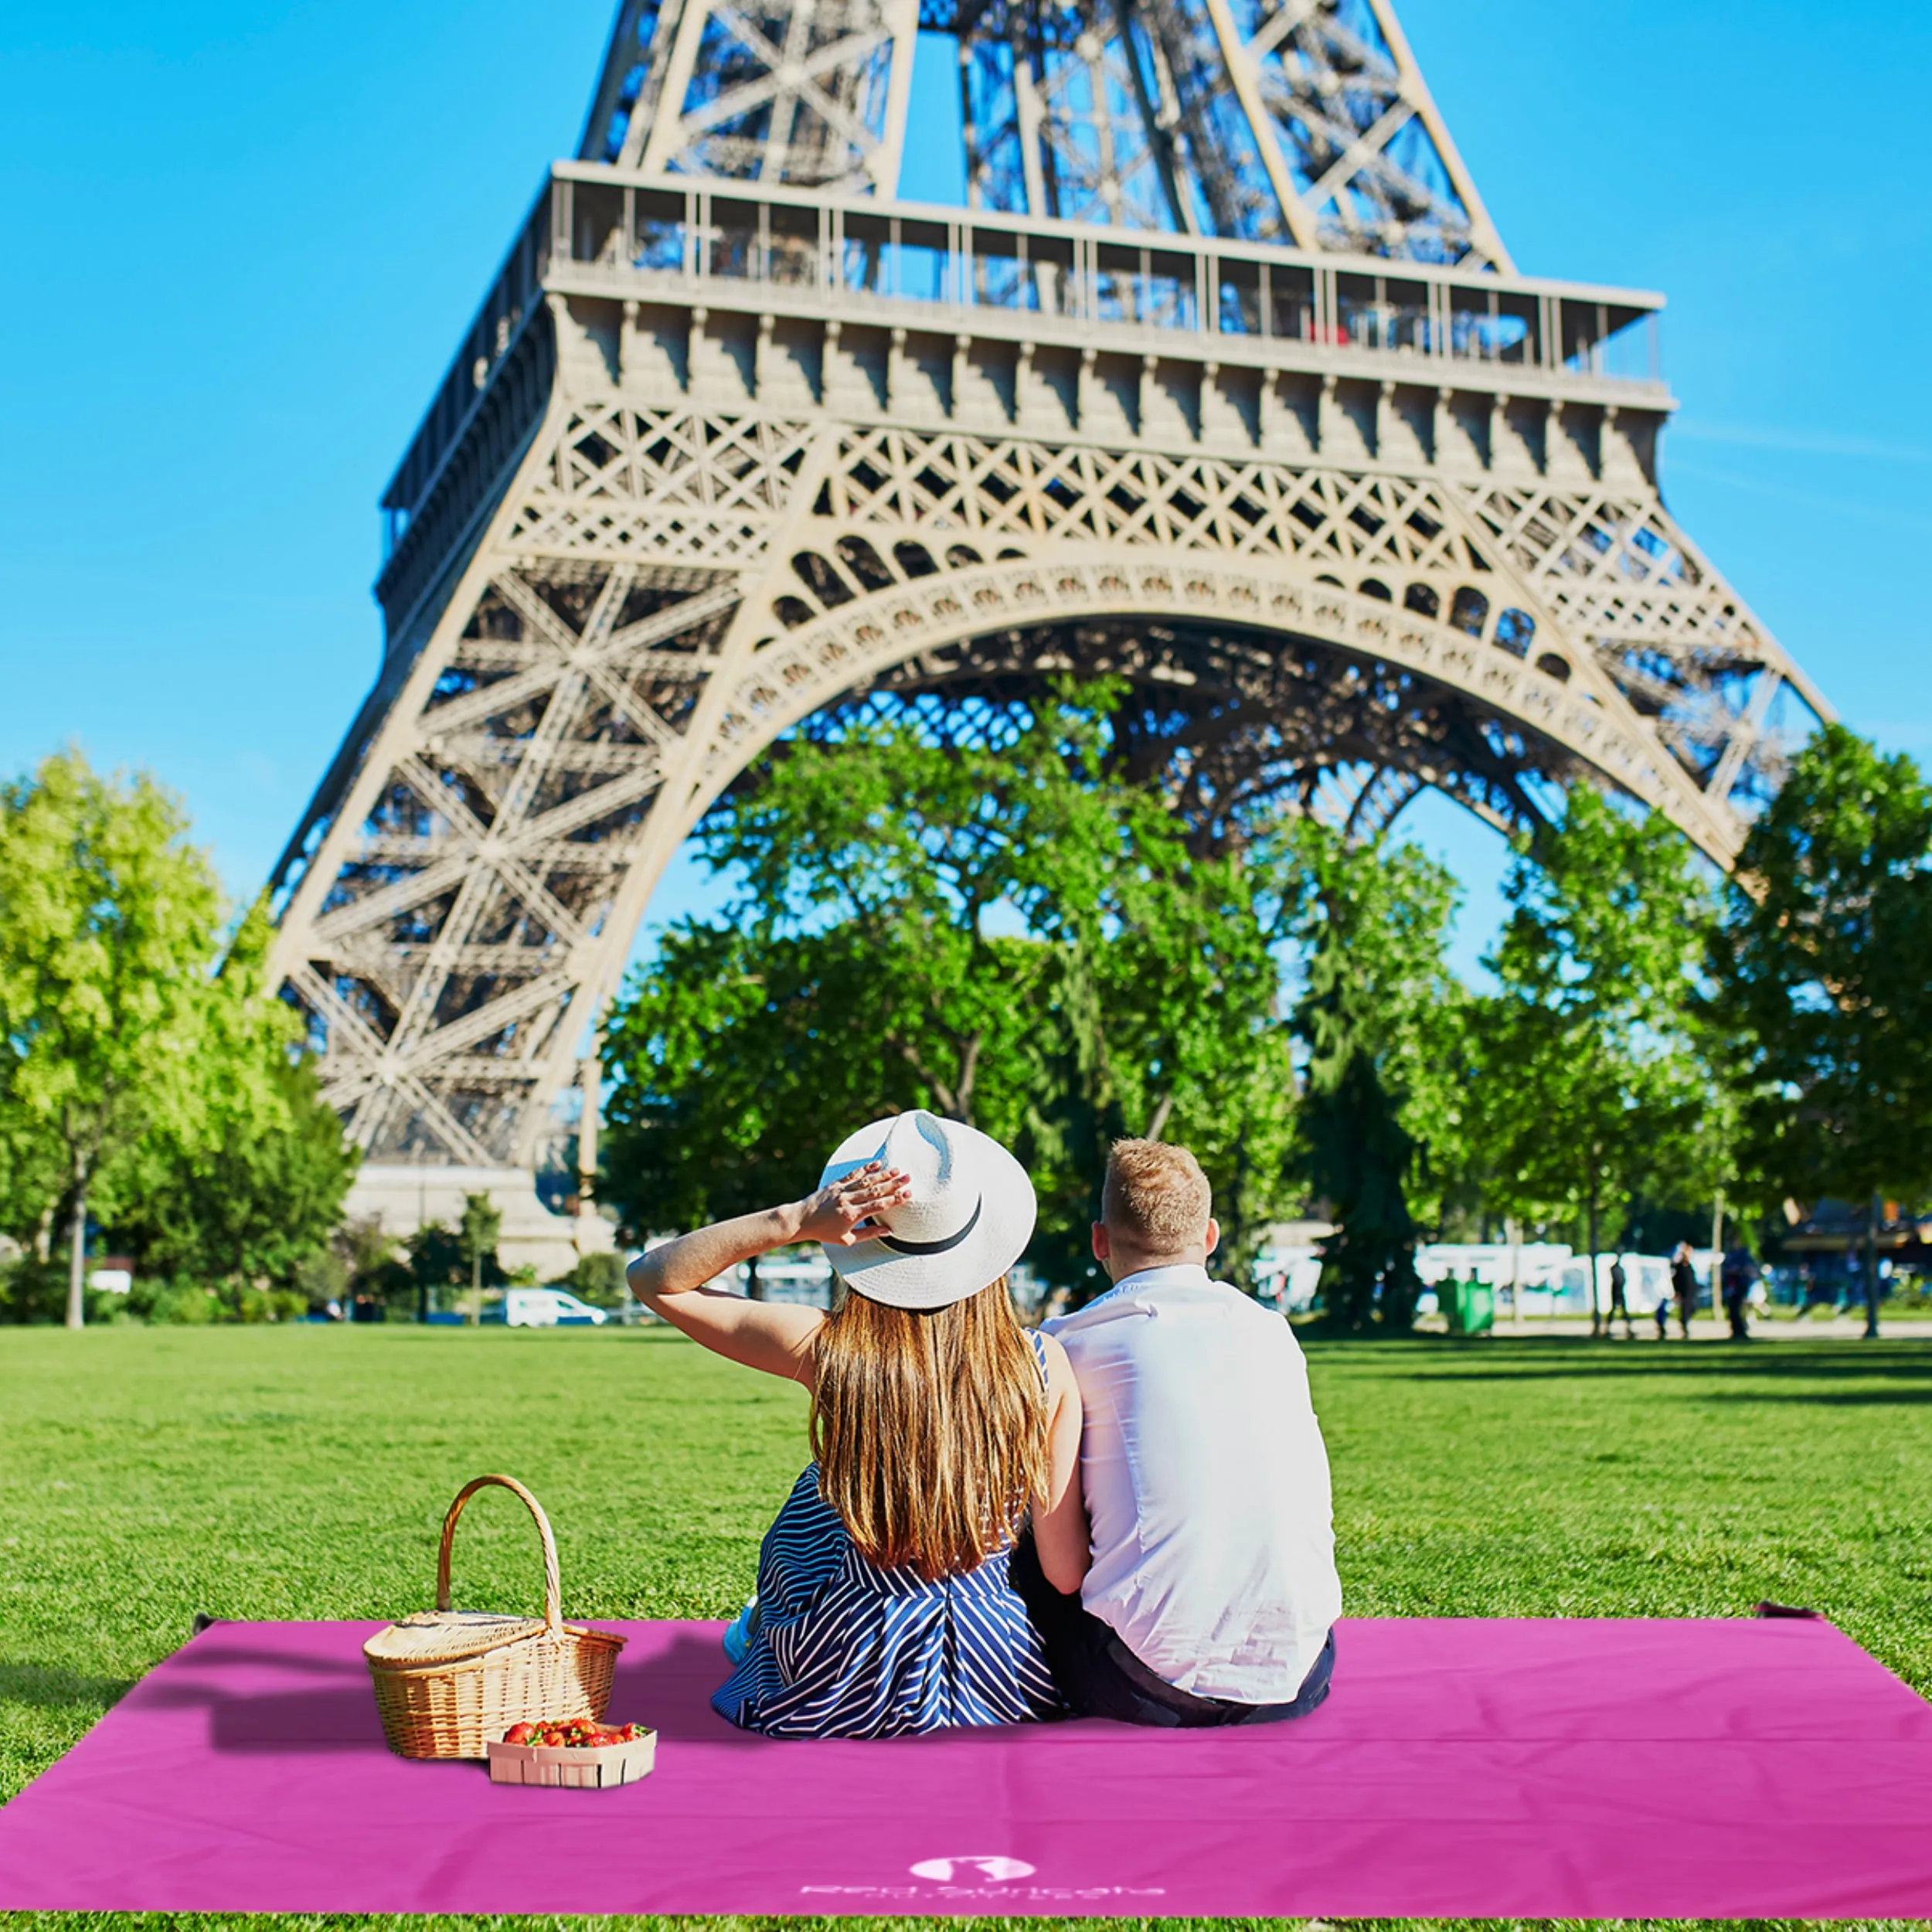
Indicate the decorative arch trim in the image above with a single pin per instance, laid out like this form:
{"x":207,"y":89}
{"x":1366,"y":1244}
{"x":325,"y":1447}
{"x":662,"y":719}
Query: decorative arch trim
{"x":792,"y":673}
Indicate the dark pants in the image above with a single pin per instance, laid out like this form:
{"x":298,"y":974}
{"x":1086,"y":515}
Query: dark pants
{"x":1735,"y":1302}
{"x":1101,"y":1677}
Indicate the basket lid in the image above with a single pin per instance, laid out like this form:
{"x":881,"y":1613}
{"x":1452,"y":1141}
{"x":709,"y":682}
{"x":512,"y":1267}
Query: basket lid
{"x":447,"y":1636}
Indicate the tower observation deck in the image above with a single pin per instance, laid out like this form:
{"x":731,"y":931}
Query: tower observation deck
{"x":1219,"y":381}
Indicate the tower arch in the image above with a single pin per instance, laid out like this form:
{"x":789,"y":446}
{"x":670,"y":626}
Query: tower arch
{"x":736,"y":438}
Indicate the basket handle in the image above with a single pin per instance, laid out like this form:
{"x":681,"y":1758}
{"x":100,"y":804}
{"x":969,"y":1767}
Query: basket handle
{"x":553,"y":1579}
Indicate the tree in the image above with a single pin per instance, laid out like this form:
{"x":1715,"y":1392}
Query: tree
{"x":31,"y":1171}
{"x":376,"y":1274}
{"x":1592,"y":1075}
{"x":437,"y":1261}
{"x":249,"y":1196}
{"x":1822,"y":968}
{"x":149,"y":1077}
{"x":247,"y":1214}
{"x":476,"y":1235}
{"x":1010,"y":935}
{"x":598,"y":1278}
{"x":727,"y":1058}
{"x":1378,"y":1017}
{"x":108,"y":922}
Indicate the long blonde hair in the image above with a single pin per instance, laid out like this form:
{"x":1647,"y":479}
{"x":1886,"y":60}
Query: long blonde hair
{"x":929,"y":1428}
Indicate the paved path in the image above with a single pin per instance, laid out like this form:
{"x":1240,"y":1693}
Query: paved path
{"x":1843,"y":1328}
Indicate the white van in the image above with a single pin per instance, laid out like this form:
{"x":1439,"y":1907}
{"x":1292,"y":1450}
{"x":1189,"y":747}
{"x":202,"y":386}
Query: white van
{"x":545,"y":1309}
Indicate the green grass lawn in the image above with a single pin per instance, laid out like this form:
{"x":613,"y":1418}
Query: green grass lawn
{"x":303,"y":1472}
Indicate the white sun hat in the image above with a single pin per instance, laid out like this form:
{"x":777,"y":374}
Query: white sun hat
{"x":969,"y":1219}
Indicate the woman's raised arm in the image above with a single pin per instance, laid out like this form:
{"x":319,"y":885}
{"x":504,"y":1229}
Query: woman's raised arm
{"x":774,"y":1337}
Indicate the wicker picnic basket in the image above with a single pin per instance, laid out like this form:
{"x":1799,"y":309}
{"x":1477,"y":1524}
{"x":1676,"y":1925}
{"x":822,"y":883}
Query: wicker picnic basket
{"x":447,"y":1682}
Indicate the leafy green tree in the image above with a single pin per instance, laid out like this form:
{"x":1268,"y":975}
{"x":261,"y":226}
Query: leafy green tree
{"x":31,"y":1173}
{"x":323,"y":1278}
{"x":476,"y":1235}
{"x":1357,"y":1154}
{"x":1592,"y":1078}
{"x":436,"y":1261}
{"x":253,"y":1210}
{"x":1008,"y":935}
{"x":1379,"y":1017}
{"x":108,"y":924}
{"x":251,"y":1195}
{"x":598,"y":1279}
{"x":1823,"y":966}
{"x":148,"y":1077}
{"x":376,"y":1272}
{"x":729,"y":1058}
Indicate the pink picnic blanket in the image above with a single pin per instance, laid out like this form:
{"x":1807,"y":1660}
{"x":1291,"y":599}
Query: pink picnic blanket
{"x":1575,"y":1769}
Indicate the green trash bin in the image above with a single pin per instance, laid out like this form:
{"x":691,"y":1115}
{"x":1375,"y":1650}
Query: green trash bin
{"x":1470,"y":1307}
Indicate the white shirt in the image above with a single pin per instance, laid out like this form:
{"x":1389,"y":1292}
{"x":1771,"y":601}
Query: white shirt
{"x":1206,"y":1482}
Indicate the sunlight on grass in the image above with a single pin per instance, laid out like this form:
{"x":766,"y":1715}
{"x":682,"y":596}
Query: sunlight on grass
{"x":303,"y":1472}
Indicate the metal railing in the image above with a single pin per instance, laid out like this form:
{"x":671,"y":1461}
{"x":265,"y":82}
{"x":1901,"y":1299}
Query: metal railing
{"x":962,"y":260}
{"x":632,"y":236}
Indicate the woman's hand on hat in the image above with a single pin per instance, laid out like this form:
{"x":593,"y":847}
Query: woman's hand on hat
{"x":840,"y":1214}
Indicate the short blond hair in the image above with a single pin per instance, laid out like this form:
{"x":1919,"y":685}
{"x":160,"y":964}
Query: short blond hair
{"x":1156,"y":1197}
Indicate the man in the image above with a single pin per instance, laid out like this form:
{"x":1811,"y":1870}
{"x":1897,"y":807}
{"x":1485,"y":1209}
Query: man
{"x":1211,"y":1595}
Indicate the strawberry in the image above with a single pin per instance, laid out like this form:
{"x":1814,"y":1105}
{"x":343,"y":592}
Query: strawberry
{"x":571,"y":1733}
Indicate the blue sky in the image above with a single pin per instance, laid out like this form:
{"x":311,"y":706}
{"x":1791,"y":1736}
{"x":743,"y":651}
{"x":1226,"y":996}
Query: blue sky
{"x":244,"y":240}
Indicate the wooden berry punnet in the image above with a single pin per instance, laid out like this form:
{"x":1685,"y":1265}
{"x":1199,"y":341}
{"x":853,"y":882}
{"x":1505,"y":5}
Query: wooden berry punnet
{"x":582,"y":1755}
{"x":447,"y":1682}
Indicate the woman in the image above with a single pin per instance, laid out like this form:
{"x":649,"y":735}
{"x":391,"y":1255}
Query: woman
{"x":937,"y":1423}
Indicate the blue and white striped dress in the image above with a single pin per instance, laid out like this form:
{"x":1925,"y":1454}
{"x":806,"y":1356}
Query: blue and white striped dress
{"x":842,"y":1648}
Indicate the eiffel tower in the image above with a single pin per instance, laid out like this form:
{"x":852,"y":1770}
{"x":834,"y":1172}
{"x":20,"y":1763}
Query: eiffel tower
{"x":1220,"y":380}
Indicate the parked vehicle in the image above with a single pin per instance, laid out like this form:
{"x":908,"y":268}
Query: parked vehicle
{"x":545,"y":1308}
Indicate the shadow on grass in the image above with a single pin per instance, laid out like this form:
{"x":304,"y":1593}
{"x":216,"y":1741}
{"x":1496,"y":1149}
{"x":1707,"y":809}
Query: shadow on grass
{"x":1908,"y":1363}
{"x":42,"y":1687}
{"x":1829,"y":1398}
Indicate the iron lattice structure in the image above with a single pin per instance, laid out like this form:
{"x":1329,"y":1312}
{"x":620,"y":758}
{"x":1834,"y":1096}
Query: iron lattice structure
{"x":1220,"y":381}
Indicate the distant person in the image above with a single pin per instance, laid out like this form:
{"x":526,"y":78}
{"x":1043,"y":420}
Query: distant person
{"x":1211,"y":1597}
{"x":1619,"y":1281}
{"x":1738,"y":1272}
{"x":1683,"y":1281}
{"x":938,"y":1423}
{"x":1661,"y":1313}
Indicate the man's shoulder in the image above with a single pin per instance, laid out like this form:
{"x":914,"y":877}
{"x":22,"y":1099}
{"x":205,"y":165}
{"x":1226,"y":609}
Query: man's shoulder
{"x":1135,"y":1303}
